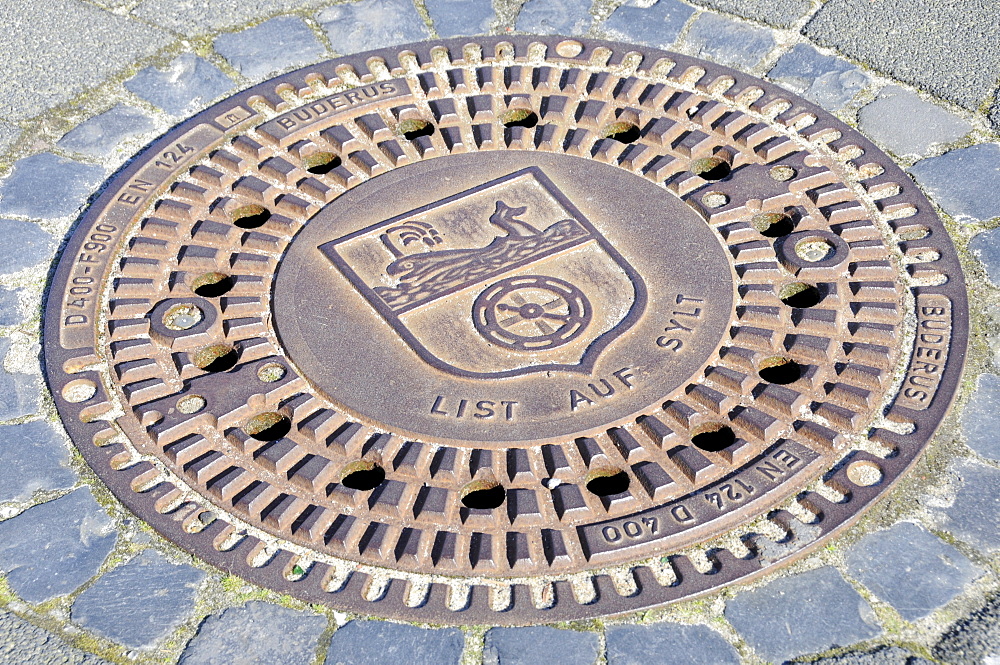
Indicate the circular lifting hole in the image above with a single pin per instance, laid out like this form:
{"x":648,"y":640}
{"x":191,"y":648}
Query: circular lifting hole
{"x":772,"y":224}
{"x":415,"y":128}
{"x":621,"y":131}
{"x":362,"y":475}
{"x":267,"y":426}
{"x":713,"y":437}
{"x":212,"y":284}
{"x":250,"y":216}
{"x":271,"y":372}
{"x":483,"y":495}
{"x":864,"y":473}
{"x":319,"y":163}
{"x":782,"y":173}
{"x":711,"y":168}
{"x":183,"y":317}
{"x":607,"y":482}
{"x":799,"y":295}
{"x":814,"y":250}
{"x":191,"y":404}
{"x":519,"y":118}
{"x":781,"y":371}
{"x":715,"y":199}
{"x":216,"y":358}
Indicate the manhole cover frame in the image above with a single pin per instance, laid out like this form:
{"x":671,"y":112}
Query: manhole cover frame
{"x":68,"y":372}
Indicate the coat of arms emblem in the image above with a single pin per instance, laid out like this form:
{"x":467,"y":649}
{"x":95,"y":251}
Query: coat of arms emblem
{"x":502,"y":280}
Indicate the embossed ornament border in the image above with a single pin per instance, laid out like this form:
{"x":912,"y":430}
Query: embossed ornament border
{"x":72,"y":365}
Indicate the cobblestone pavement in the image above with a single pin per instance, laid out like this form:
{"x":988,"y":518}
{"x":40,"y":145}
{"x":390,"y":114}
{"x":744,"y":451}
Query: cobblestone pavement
{"x":88,"y":82}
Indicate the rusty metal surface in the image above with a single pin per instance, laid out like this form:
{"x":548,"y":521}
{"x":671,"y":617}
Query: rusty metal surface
{"x":496,"y":331}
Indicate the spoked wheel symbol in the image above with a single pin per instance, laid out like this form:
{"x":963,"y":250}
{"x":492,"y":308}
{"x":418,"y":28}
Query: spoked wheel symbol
{"x":531,"y":312}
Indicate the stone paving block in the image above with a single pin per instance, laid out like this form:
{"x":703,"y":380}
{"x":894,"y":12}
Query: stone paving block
{"x":965,"y":182}
{"x":257,"y":632}
{"x":372,"y":24}
{"x":10,"y":307}
{"x":386,"y":643}
{"x":946,"y":47}
{"x":51,"y":549}
{"x":672,"y":643}
{"x":100,"y":135}
{"x":986,"y":248}
{"x":25,"y":244}
{"x":34,"y":458}
{"x":975,"y":640}
{"x":801,"y":614}
{"x":981,"y":419}
{"x":195,"y":17}
{"x":911,"y":569}
{"x":729,"y":42}
{"x":24,"y":642}
{"x":274,"y":46}
{"x":45,"y":186}
{"x":826,"y":80}
{"x":658,"y":26}
{"x":19,"y":393}
{"x":907,"y":125}
{"x":187,"y":84}
{"x":779,"y":13}
{"x":975,"y":515}
{"x":555,"y":17}
{"x":56,"y":49}
{"x":8,"y":135}
{"x":881,"y":656}
{"x":460,"y":17}
{"x":537,"y":644}
{"x":140,"y":602}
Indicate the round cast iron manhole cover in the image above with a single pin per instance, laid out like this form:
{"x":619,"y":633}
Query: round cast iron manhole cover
{"x":505,"y":331}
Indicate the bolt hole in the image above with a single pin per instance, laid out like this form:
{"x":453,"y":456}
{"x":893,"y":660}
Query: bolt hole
{"x":483,"y":495}
{"x":216,"y":358}
{"x":781,"y":371}
{"x":782,"y":173}
{"x":864,"y":473}
{"x":183,"y":317}
{"x":519,"y":118}
{"x":773,"y":224}
{"x":800,"y":295}
{"x":713,"y":437}
{"x":814,"y":250}
{"x":191,"y":404}
{"x":621,"y":131}
{"x":362,"y":475}
{"x":319,"y":163}
{"x":715,"y":199}
{"x":268,"y":426}
{"x":415,"y":128}
{"x":711,"y":168}
{"x":250,"y":216}
{"x":212,"y":284}
{"x":271,"y":372}
{"x":607,"y":483}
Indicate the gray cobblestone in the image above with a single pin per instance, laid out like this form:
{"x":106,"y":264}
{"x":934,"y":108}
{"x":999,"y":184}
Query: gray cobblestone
{"x":53,"y":548}
{"x":194,"y":17}
{"x":805,"y":613}
{"x":659,"y":25}
{"x":826,"y":80}
{"x":943,"y":46}
{"x":19,"y":393}
{"x":974,"y":640}
{"x":907,"y":125}
{"x":34,"y":458}
{"x":45,"y":185}
{"x":25,"y":244}
{"x":965,"y":182}
{"x":99,"y":136}
{"x":372,"y":24}
{"x":686,"y":645}
{"x":779,"y":13}
{"x":10,"y":307}
{"x":139,"y":603}
{"x":529,"y":646}
{"x":189,"y":83}
{"x":386,"y":643}
{"x":911,"y":569}
{"x":555,"y":17}
{"x":23,"y":643}
{"x":982,"y":417}
{"x":460,"y":17}
{"x":986,"y":247}
{"x":975,"y":515}
{"x":255,"y":633}
{"x":271,"y":47}
{"x":729,"y":42}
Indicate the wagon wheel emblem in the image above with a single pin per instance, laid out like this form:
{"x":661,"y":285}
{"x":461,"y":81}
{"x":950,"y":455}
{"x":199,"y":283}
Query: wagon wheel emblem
{"x":531,"y":312}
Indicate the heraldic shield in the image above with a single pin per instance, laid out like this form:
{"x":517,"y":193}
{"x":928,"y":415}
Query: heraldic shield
{"x":502,"y":280}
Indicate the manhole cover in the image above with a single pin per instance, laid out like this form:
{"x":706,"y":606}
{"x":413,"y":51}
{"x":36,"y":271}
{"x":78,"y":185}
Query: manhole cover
{"x":520,"y":330}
